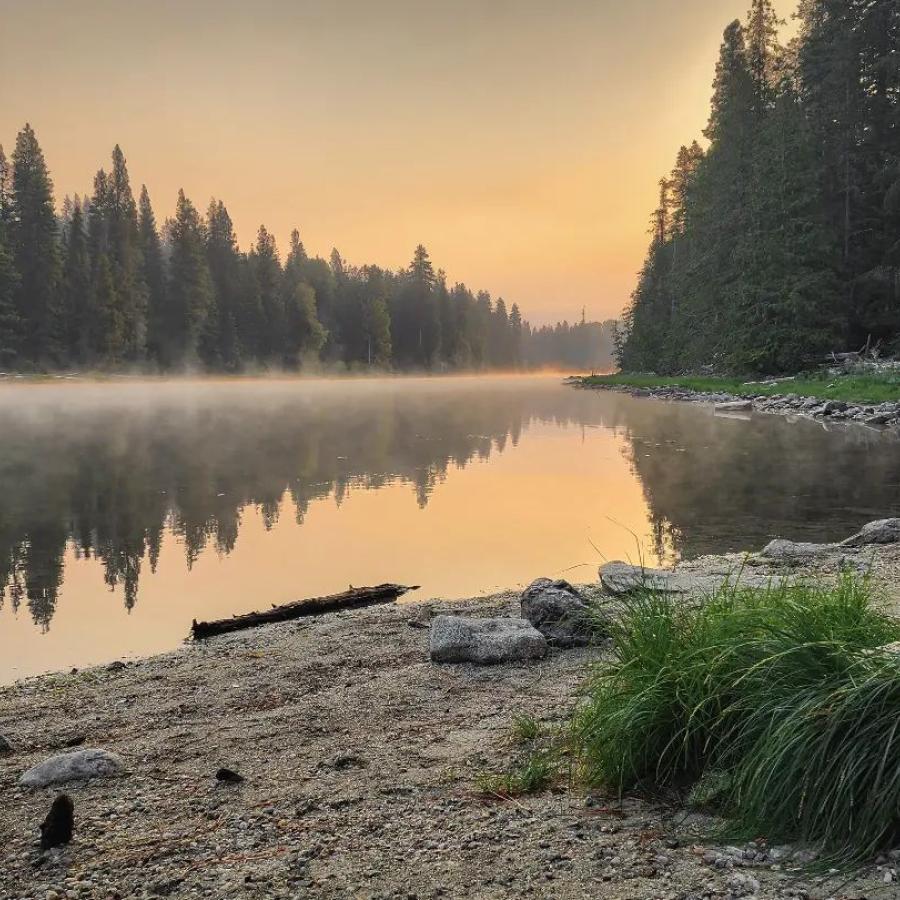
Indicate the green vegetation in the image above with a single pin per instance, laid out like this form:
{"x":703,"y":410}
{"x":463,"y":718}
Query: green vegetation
{"x":530,"y":775}
{"x":536,"y":765}
{"x":779,"y":706}
{"x":776,"y":242}
{"x":525,"y":729}
{"x":850,"y":388}
{"x":101,"y":287}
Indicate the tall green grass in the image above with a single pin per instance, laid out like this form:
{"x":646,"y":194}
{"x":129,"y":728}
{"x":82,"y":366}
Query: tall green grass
{"x":784,"y":691}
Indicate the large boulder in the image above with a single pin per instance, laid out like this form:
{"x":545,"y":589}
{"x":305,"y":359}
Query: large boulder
{"x":459,"y":639}
{"x":884,"y":531}
{"x":79,"y":765}
{"x":623,"y":578}
{"x":559,"y":612}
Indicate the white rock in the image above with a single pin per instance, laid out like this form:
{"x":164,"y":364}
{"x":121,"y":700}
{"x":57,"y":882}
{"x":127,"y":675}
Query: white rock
{"x":458,"y":639}
{"x":624,"y":578}
{"x":79,"y":765}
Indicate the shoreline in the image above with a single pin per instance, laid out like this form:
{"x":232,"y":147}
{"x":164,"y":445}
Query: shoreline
{"x":360,"y":760}
{"x":883,"y":416}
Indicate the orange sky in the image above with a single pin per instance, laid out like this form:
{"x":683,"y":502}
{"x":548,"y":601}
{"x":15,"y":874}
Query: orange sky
{"x":520,"y":140}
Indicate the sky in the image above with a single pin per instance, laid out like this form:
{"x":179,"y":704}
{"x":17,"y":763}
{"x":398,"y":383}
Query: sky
{"x":520,"y":140}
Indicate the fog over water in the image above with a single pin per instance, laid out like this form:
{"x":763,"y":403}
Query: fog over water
{"x":127,"y":509}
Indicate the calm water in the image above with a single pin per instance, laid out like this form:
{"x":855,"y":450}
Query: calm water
{"x":126,"y":510}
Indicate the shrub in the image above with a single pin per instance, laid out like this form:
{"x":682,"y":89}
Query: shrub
{"x":782,"y":692}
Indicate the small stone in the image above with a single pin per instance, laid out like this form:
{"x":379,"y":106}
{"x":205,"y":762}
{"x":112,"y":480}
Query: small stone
{"x":735,"y":406}
{"x":229,"y":776}
{"x":6,"y":748}
{"x":58,"y":827}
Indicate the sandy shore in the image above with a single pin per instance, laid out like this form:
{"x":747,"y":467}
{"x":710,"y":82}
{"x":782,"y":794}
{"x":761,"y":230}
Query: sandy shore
{"x":359,"y":757}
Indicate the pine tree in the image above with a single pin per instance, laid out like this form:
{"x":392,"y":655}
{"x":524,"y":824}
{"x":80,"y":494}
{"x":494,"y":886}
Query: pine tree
{"x":76,"y":287}
{"x":763,"y":52}
{"x":153,"y":273}
{"x":224,"y":261}
{"x":125,"y":259}
{"x":33,"y":241}
{"x":415,"y":325}
{"x":111,"y":317}
{"x":304,"y":335}
{"x":6,"y":194}
{"x":10,"y":323}
{"x":267,"y":274}
{"x":189,"y":296}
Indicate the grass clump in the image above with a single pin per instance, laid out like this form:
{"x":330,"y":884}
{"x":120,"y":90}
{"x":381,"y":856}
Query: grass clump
{"x":525,"y":729}
{"x":782,"y":696}
{"x":533,"y":774}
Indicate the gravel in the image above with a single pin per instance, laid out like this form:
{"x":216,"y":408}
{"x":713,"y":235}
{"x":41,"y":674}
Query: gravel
{"x":359,"y":758}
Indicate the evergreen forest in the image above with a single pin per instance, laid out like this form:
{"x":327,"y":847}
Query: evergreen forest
{"x":777,"y":238}
{"x":100,"y":285}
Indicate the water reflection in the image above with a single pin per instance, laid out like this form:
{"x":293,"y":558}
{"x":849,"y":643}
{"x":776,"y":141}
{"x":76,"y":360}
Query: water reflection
{"x":109,"y":478}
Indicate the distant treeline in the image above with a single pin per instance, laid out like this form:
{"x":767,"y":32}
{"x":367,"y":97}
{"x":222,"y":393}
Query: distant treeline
{"x":101,"y":286}
{"x":780,"y":242}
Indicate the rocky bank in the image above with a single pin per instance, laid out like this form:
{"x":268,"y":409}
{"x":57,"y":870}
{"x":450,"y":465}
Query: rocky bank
{"x":359,"y":758}
{"x":880,"y":415}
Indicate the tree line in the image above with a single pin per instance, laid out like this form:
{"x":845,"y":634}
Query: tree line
{"x":779,"y":241}
{"x":100,"y":285}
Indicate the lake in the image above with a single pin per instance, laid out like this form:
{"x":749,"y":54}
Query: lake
{"x":129,"y":508}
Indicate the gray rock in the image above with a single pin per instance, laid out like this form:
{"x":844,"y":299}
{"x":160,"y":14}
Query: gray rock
{"x":623,"y":578}
{"x":735,"y":406}
{"x":559,"y":612}
{"x":792,"y":552}
{"x":884,"y":531}
{"x":80,"y":765}
{"x":459,"y":639}
{"x":6,"y":748}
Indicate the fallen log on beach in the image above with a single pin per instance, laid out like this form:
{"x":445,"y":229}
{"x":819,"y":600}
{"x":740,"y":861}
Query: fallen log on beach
{"x":355,"y":598}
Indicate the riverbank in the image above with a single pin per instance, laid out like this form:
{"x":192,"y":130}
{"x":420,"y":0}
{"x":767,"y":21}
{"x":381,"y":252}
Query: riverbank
{"x":361,"y":761}
{"x":868,"y":400}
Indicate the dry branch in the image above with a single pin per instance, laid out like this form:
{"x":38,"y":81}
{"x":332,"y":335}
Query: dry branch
{"x":314,"y":606}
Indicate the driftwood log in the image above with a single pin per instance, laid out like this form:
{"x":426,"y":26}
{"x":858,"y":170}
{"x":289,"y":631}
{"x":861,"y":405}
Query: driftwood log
{"x":314,"y":606}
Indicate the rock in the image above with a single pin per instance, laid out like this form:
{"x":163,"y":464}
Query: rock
{"x":742,"y":886}
{"x":884,"y":531}
{"x":348,"y":761}
{"x":623,"y":578}
{"x":834,"y":406}
{"x":58,"y":827}
{"x":6,"y":748}
{"x":735,"y":406}
{"x":559,"y":612}
{"x":781,"y":551}
{"x":80,"y":765}
{"x":115,"y":666}
{"x":458,"y":639}
{"x":229,"y":776}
